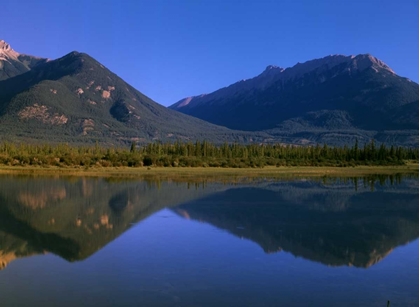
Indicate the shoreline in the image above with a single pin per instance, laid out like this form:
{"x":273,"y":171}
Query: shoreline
{"x":210,"y":172}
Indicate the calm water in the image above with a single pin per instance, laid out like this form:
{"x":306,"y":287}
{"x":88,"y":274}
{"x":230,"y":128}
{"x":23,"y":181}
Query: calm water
{"x":95,"y":242}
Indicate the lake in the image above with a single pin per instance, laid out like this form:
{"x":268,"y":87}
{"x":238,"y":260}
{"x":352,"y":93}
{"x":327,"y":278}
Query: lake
{"x":305,"y":242}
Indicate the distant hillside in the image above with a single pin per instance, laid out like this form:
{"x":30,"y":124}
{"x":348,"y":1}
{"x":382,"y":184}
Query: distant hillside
{"x":334,"y":100}
{"x":75,"y":99}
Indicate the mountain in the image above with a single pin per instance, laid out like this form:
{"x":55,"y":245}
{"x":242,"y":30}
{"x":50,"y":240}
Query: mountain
{"x":76,"y":99}
{"x":13,"y":63}
{"x":332,"y":99}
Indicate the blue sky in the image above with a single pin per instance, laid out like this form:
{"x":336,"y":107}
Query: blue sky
{"x":171,"y":49}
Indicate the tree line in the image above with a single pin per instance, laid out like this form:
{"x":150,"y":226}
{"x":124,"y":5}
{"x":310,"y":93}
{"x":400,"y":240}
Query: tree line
{"x":206,"y":154}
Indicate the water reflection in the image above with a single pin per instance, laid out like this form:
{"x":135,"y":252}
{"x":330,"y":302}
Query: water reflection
{"x":75,"y":218}
{"x":333,"y":221}
{"x":331,"y":225}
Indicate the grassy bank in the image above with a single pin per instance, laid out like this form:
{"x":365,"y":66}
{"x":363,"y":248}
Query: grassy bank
{"x":205,"y":172}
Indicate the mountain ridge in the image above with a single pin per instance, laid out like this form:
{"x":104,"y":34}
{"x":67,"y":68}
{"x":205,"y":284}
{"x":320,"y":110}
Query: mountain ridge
{"x":332,"y":100}
{"x":86,"y":103}
{"x":301,"y":68}
{"x":363,"y":90}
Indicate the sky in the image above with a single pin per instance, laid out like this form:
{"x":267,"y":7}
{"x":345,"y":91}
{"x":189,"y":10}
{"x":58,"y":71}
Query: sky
{"x":171,"y":49}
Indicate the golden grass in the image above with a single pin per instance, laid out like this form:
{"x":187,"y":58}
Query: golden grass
{"x":180,"y":173}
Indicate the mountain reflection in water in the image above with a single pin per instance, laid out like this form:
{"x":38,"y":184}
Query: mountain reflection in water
{"x":336,"y":222}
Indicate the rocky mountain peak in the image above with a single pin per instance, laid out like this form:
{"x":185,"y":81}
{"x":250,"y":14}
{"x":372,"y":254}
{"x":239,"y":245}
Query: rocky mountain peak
{"x":13,"y":63}
{"x":4,"y":46}
{"x":6,"y":51}
{"x":327,"y":62}
{"x":363,"y":61}
{"x":350,"y":62}
{"x":273,"y":67}
{"x":272,"y":70}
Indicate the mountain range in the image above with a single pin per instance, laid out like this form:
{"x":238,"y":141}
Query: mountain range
{"x":75,"y":99}
{"x":333,"y":100}
{"x":336,"y":97}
